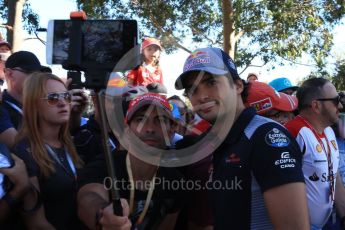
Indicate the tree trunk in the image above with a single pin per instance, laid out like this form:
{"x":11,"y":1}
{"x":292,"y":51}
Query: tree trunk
{"x":228,"y":28}
{"x":15,"y":10}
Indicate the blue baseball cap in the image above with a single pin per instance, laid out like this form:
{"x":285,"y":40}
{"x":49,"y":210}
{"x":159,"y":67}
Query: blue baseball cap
{"x":281,"y":84}
{"x":211,"y":60}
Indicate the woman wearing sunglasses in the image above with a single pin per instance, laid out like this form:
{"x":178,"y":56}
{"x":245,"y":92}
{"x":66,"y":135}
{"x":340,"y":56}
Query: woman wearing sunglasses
{"x":45,"y":145}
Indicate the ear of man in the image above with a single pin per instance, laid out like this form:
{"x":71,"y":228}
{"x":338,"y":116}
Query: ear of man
{"x":315,"y":106}
{"x":239,"y":86}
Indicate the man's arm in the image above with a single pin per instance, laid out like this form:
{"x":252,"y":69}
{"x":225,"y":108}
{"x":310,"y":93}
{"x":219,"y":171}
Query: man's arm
{"x":109,"y":221}
{"x":35,"y":220}
{"x":287,"y":206}
{"x":78,"y":105}
{"x":8,"y":136}
{"x":340,"y":196}
{"x":91,"y":199}
{"x":21,"y":184}
{"x":93,"y":205}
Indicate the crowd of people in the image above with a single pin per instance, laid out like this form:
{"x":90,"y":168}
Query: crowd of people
{"x":279,"y":162}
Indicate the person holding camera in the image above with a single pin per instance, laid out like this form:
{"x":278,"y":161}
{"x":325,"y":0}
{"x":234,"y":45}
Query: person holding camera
{"x":45,"y":145}
{"x":149,"y":204}
{"x":149,"y":72}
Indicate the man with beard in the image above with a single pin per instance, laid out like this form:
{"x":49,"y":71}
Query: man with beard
{"x":151,"y":204}
{"x":319,"y":105}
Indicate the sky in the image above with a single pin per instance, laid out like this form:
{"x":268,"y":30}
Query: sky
{"x":171,"y":64}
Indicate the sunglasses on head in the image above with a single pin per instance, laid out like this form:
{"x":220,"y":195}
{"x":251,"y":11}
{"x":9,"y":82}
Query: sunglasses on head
{"x":335,"y":100}
{"x":54,"y":98}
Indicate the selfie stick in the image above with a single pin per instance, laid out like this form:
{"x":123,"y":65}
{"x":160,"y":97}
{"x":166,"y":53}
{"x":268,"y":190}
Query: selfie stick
{"x":114,"y":193}
{"x":74,"y":62}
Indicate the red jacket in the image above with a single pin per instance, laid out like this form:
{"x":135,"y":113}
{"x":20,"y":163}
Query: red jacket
{"x":142,"y":76}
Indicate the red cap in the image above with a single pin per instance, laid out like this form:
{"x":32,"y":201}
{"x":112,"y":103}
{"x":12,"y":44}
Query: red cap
{"x":264,"y":98}
{"x":150,"y":41}
{"x":148,"y":99}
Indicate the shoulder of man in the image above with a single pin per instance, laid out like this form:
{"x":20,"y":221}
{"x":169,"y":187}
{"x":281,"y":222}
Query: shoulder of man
{"x":294,"y":126}
{"x":270,"y":135}
{"x":276,"y":158}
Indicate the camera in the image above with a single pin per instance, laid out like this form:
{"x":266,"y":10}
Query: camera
{"x":92,"y":46}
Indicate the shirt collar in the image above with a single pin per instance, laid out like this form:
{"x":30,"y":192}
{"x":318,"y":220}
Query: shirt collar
{"x":239,"y":125}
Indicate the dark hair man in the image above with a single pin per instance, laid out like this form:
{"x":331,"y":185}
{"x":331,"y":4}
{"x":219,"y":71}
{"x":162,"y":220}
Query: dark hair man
{"x":258,"y":152}
{"x":319,"y":106}
{"x":150,"y":119}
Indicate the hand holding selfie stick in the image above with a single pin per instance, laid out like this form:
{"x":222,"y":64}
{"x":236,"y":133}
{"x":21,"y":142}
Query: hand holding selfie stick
{"x":114,"y":193}
{"x":74,"y":62}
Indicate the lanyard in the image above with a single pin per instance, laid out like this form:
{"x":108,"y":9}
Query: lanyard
{"x":15,"y":107}
{"x":131,"y":199}
{"x":328,"y":156}
{"x":69,"y":160}
{"x":111,"y":142}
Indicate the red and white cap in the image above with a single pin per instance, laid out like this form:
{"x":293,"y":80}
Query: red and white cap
{"x":264,"y":98}
{"x":154,"y":99}
{"x":150,"y":41}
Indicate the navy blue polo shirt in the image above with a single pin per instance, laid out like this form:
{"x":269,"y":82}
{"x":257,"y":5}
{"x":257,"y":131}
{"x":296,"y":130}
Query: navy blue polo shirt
{"x":258,"y":154}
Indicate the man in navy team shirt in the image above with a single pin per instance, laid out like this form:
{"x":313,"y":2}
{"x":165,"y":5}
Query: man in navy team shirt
{"x":258,"y":163}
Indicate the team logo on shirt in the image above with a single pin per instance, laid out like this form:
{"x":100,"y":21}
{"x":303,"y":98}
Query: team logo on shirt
{"x":233,"y":158}
{"x":314,"y":177}
{"x":285,"y":161}
{"x":277,"y":138}
{"x":318,"y":148}
{"x":334,"y":144}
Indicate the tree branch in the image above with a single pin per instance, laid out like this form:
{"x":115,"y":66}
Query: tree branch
{"x":239,"y":35}
{"x":168,"y":34}
{"x":6,"y":26}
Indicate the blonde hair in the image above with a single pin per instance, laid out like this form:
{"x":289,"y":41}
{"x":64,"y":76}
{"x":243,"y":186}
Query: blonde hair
{"x":33,"y":90}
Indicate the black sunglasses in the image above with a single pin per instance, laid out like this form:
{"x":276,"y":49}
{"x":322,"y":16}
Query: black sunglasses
{"x":54,"y":98}
{"x":335,"y":100}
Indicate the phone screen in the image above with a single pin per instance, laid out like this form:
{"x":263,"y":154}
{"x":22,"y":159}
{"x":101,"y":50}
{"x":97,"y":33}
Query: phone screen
{"x":104,"y":41}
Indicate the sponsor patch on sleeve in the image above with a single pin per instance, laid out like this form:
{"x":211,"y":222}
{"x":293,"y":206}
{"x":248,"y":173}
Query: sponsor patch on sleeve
{"x":276,"y":138}
{"x":285,"y":161}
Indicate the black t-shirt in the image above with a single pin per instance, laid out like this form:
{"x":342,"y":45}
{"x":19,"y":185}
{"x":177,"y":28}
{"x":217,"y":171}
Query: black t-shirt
{"x":166,"y":199}
{"x":58,"y":192}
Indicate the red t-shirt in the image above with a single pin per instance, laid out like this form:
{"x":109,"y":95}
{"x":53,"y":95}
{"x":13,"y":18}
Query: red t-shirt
{"x":143,"y":76}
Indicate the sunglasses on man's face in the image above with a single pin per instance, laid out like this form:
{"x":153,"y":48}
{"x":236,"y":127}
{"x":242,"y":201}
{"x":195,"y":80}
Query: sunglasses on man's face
{"x":54,"y":98}
{"x":335,"y":100}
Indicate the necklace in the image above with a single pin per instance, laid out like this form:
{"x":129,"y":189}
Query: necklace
{"x":132,"y":191}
